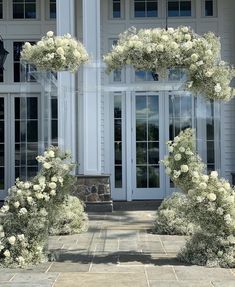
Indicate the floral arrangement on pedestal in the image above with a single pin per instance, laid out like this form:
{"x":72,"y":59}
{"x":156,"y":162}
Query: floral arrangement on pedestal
{"x":158,"y":49}
{"x":31,"y":208}
{"x":55,"y":53}
{"x":211,"y":206}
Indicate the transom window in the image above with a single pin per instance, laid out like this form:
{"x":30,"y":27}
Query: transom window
{"x":1,"y":9}
{"x":145,"y":8}
{"x":24,"y":9}
{"x":179,"y":8}
{"x":209,"y":8}
{"x":52,"y":9}
{"x":116,"y":8}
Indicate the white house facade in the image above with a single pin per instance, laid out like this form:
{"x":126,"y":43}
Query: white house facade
{"x":115,"y":125}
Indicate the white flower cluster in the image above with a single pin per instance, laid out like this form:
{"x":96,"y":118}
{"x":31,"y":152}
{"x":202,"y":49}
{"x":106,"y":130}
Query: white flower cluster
{"x":211,"y":205}
{"x":171,"y":216}
{"x":55,"y":53}
{"x":158,"y":49}
{"x":30,"y":208}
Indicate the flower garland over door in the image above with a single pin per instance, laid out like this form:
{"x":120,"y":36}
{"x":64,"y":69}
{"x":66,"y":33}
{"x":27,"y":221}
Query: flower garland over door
{"x":158,"y":49}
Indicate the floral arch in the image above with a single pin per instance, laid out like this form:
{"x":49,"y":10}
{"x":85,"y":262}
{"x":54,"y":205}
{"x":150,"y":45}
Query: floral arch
{"x":157,"y":50}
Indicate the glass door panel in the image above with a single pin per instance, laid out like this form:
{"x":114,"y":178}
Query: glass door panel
{"x":26,"y":136}
{"x":146,"y":149}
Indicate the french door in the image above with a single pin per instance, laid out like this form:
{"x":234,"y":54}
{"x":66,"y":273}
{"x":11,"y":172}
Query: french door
{"x":19,"y":138}
{"x":143,"y":122}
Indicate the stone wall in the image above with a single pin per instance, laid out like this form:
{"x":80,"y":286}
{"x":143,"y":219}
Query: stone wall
{"x":92,"y":188}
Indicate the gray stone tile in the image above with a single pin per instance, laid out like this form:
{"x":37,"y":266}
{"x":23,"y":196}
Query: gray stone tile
{"x":101,"y":279}
{"x":160,"y":273}
{"x":173,"y":246}
{"x":224,"y":283}
{"x":128,"y":245}
{"x":68,"y":267}
{"x":116,"y":268}
{"x":134,"y":259}
{"x":35,"y":278}
{"x":156,"y":283}
{"x":6,"y":277}
{"x":151,"y":247}
{"x":203,"y":273}
{"x":25,"y":284}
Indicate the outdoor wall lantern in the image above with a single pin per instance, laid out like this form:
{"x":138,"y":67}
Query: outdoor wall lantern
{"x":3,"y":53}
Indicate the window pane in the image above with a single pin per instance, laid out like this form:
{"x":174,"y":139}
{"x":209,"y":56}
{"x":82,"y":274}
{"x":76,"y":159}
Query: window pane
{"x":17,"y":72}
{"x":30,"y":11}
{"x":32,"y":108}
{"x":208,"y":8}
{"x":118,"y":176}
{"x":118,"y":130}
{"x":2,"y":131}
{"x":1,"y":108}
{"x":18,"y":11}
{"x":141,"y":153}
{"x":139,"y":9}
{"x":153,"y":153}
{"x":173,"y":8}
{"x":54,"y":130}
{"x":116,"y":9}
{"x":32,"y":131}
{"x":210,"y":152}
{"x":17,"y":50}
{"x":118,"y":153}
{"x":141,"y":129}
{"x":152,"y":9}
{"x":141,"y":176}
{"x":1,"y":12}
{"x":185,"y":8}
{"x":154,"y":176}
{"x":52,"y":10}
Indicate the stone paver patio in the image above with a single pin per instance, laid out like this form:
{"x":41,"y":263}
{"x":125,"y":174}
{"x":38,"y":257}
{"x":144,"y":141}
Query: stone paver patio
{"x":118,"y":250}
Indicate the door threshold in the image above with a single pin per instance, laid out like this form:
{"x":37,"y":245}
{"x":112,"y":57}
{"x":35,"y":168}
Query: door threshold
{"x":137,"y":205}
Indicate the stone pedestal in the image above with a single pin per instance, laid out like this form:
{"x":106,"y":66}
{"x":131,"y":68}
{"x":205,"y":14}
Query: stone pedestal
{"x":95,"y":191}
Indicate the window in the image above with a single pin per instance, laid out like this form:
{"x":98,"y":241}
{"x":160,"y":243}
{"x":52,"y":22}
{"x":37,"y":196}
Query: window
{"x":143,"y":76}
{"x":145,"y":8}
{"x":24,"y":9}
{"x":21,"y":73}
{"x":116,"y":8}
{"x":209,"y":7}
{"x":179,"y":8}
{"x":52,"y":9}
{"x":1,"y":9}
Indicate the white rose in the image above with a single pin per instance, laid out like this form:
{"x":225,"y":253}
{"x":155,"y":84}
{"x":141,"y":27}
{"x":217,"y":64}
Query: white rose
{"x":168,"y":171}
{"x":214,"y":174}
{"x":203,"y":185}
{"x":187,"y":37}
{"x":23,"y":211}
{"x":220,"y":211}
{"x":194,"y":57}
{"x":176,"y":139}
{"x":165,"y":38}
{"x":54,"y":179}
{"x":208,"y":53}
{"x":185,"y":29}
{"x":20,"y":237}
{"x":40,"y":43}
{"x":39,"y":195}
{"x":60,"y":51}
{"x":36,"y":187}
{"x":199,"y":63}
{"x":50,"y":34}
{"x":52,"y":185}
{"x":2,"y":234}
{"x":199,"y":199}
{"x":52,"y":192}
{"x":65,"y":167}
{"x":209,"y":73}
{"x":170,"y":30}
{"x":11,"y":240}
{"x":211,"y":196}
{"x":7,"y":253}
{"x":47,"y":165}
{"x":42,"y":179}
{"x":76,"y":54}
{"x":195,"y":174}
{"x":5,"y":208}
{"x":217,"y":88}
{"x":170,"y":148}
{"x":1,"y":247}
{"x":16,"y":204}
{"x":227,"y":218}
{"x":160,"y":48}
{"x":51,"y":153}
{"x":29,"y":200}
{"x":27,"y":185}
{"x":227,"y":185}
{"x":205,"y":177}
{"x":27,"y":45}
{"x":184,"y":168}
{"x":177,"y":157}
{"x":1,"y":228}
{"x":43,"y":212}
{"x":182,"y":149}
{"x":177,"y":173}
{"x":20,"y":259}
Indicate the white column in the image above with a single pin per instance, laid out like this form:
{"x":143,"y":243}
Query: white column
{"x":65,"y":15}
{"x":91,"y":96}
